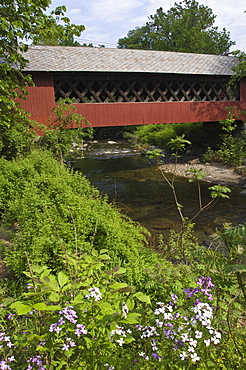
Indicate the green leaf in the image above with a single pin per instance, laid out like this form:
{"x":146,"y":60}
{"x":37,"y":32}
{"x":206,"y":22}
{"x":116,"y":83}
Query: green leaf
{"x":54,"y":297}
{"x":131,"y":318}
{"x":62,"y":279}
{"x":41,"y":306}
{"x":235,"y":268}
{"x":117,"y":286}
{"x":130,"y":304}
{"x":142,"y":297}
{"x":119,"y":270}
{"x":104,"y":257}
{"x":129,"y":339}
{"x":21,"y":308}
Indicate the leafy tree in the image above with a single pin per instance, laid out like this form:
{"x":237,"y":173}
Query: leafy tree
{"x":61,"y":31}
{"x":22,"y":21}
{"x":186,"y":27}
{"x":240,"y":68}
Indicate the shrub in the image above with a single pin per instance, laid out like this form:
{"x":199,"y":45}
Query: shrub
{"x":51,"y":210}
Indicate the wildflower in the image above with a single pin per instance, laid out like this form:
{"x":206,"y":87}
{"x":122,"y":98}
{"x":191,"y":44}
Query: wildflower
{"x":159,"y":323}
{"x":190,"y":292}
{"x":55,"y":327}
{"x":125,"y":310}
{"x":37,"y":361}
{"x":149,"y":331}
{"x":183,"y":355}
{"x":69,"y":314}
{"x":207,"y":342}
{"x":198,"y":334}
{"x":4,"y":365}
{"x":71,"y":342}
{"x":120,"y":342}
{"x":193,"y":342}
{"x":80,"y":329}
{"x":155,"y":355}
{"x":142,"y":354}
{"x":65,"y":347}
{"x":110,"y":367}
{"x":94,"y":293}
{"x":194,"y":357}
{"x":185,"y":337}
{"x":174,"y":298}
{"x":205,"y":281}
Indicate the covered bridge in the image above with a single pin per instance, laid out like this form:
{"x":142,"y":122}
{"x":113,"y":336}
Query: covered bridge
{"x":117,"y":87}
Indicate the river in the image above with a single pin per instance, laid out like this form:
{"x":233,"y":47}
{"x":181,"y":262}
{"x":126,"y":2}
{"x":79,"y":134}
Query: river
{"x":140,"y":191}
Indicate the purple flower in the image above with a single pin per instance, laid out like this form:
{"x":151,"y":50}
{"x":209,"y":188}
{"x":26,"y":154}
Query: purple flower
{"x":4,"y":365}
{"x":190,"y":292}
{"x":69,"y":314}
{"x":206,"y":282}
{"x":65,"y":347}
{"x":80,"y":329}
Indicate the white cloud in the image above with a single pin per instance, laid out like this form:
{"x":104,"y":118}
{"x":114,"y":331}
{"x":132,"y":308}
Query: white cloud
{"x":72,"y":12}
{"x":108,"y":20}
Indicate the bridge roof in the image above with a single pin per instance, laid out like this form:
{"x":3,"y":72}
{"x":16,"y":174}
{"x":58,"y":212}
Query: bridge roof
{"x":87,"y":59}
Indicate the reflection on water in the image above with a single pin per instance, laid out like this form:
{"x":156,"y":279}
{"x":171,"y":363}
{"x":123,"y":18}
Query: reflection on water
{"x":141,"y":192}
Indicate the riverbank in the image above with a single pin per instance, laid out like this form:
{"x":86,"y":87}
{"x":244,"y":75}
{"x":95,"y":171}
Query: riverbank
{"x":215,"y":173}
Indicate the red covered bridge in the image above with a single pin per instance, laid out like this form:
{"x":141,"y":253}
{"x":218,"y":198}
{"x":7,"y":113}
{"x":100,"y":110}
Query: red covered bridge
{"x":118,"y":87}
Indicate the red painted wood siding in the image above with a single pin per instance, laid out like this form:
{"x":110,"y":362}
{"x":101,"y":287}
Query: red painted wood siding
{"x":41,"y":100}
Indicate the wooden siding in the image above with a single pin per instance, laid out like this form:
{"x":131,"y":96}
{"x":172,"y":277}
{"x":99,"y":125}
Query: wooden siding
{"x":41,"y":100}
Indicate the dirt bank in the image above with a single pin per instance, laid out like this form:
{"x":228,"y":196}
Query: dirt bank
{"x":215,"y":173}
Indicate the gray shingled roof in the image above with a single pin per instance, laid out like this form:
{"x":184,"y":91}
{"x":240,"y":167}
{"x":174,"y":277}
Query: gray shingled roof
{"x":78,"y":59}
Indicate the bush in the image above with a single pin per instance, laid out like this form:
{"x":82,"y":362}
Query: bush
{"x":160,"y":135}
{"x":51,"y":210}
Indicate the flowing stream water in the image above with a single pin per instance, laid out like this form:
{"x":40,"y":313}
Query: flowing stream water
{"x":141,"y":192}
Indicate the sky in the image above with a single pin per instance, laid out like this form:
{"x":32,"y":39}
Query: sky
{"x":108,"y":20}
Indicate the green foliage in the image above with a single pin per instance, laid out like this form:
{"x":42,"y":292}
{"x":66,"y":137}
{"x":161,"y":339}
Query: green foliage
{"x":51,"y":210}
{"x":60,"y":31}
{"x":83,"y":318}
{"x":232,"y":150}
{"x":186,"y":27}
{"x":65,"y":128}
{"x":160,"y":135}
{"x":178,"y":144}
{"x":20,"y":22}
{"x":180,"y":245}
{"x":219,"y":191}
{"x":240,"y":68}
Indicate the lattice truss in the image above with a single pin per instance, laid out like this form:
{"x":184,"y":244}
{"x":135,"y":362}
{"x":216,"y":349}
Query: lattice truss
{"x":139,"y":87}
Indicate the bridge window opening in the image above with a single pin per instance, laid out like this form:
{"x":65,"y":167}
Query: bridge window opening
{"x":140,"y":87}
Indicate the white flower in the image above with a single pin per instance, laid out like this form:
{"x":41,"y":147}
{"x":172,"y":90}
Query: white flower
{"x":193,"y":342}
{"x":125,"y":310}
{"x":194,"y":357}
{"x":217,"y":334}
{"x":198,"y":334}
{"x":159,"y":323}
{"x":94,"y":293}
{"x":183,"y":355}
{"x":168,"y":316}
{"x":120,"y":341}
{"x":215,"y":340}
{"x":142,"y":354}
{"x":185,"y":337}
{"x":191,"y":349}
{"x":207,"y":342}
